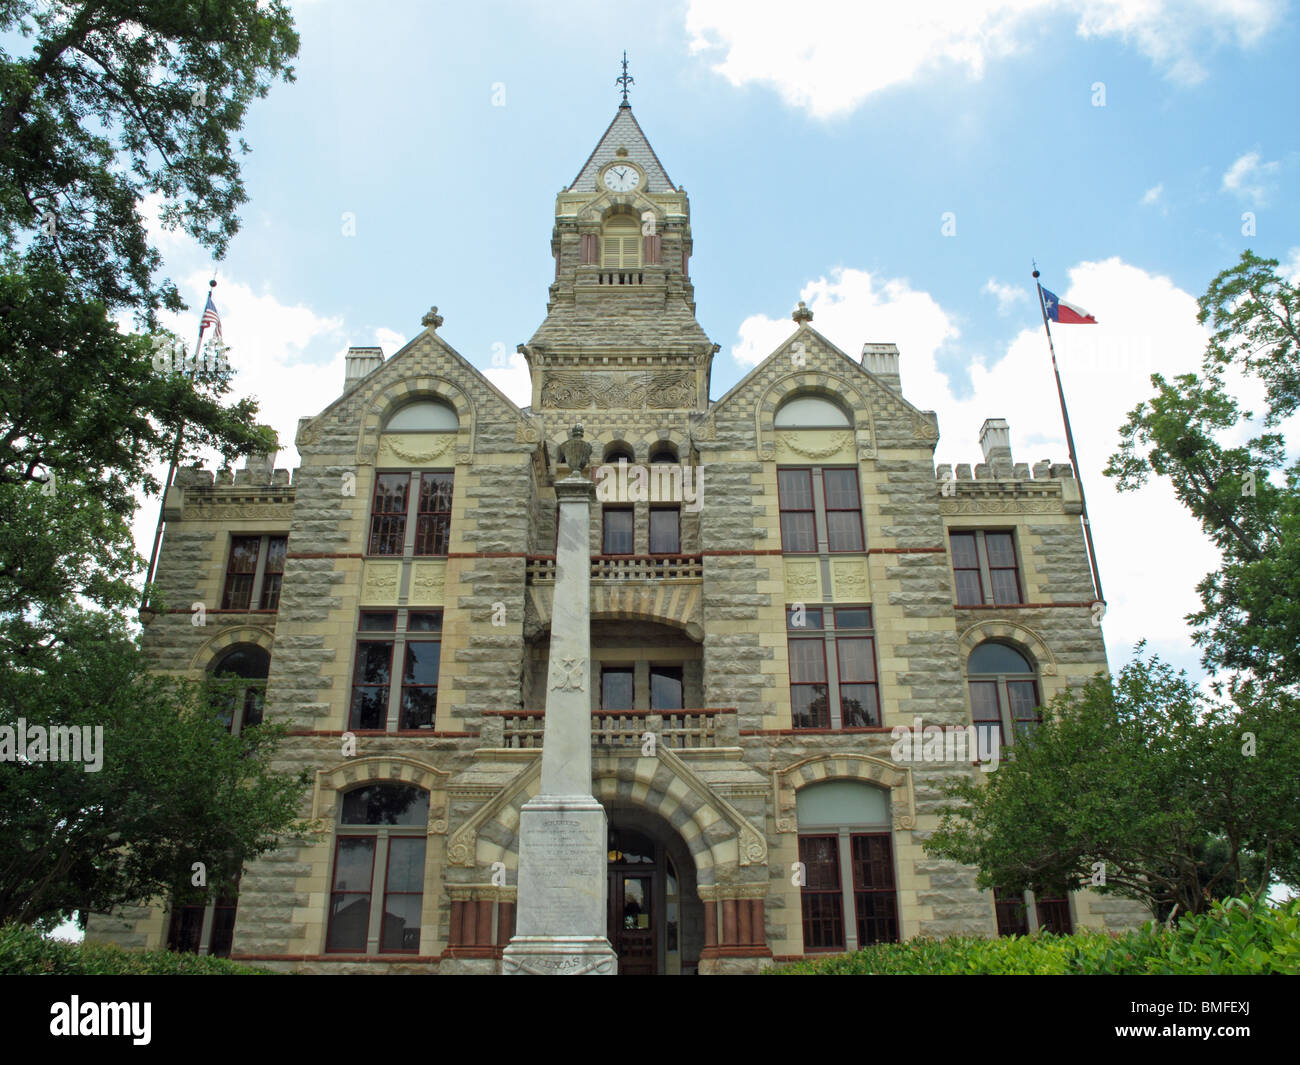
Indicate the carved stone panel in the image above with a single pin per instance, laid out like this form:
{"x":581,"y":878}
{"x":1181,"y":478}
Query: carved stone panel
{"x":618,"y":391}
{"x":803,"y":582}
{"x":380,"y":583}
{"x":428,"y":580}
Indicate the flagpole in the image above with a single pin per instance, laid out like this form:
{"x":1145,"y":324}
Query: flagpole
{"x":1069,"y":441}
{"x":171,"y":470}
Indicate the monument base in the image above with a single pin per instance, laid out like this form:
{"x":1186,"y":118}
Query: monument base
{"x":559,"y":956}
{"x":563,"y":889}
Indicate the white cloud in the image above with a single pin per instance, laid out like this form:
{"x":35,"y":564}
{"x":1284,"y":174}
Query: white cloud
{"x":1007,"y":295}
{"x":268,"y":349}
{"x":827,"y":57}
{"x":513,"y":379}
{"x":1151,"y":552}
{"x":1152,"y":195}
{"x":1251,"y":178}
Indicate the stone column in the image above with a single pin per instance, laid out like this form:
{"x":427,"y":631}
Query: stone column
{"x":561,"y":916}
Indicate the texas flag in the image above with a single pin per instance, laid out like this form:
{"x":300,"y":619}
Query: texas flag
{"x":1065,"y":313}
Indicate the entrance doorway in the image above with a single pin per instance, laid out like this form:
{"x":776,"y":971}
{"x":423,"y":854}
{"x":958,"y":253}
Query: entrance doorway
{"x":645,"y":925}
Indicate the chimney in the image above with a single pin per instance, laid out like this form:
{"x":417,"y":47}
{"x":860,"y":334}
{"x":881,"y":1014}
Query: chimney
{"x":995,"y":440}
{"x":360,"y":362}
{"x":259,"y":469}
{"x":881,"y":360}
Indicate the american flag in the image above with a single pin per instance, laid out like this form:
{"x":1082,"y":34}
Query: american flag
{"x":210,"y":317}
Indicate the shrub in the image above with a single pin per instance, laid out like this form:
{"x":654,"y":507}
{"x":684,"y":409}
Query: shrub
{"x":25,"y":952}
{"x":1237,"y":936}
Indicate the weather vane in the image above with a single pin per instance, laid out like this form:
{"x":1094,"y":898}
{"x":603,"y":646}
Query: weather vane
{"x":625,"y":80}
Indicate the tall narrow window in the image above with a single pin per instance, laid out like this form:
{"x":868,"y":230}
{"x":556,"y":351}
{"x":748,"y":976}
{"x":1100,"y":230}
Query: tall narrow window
{"x":372,"y":675}
{"x":1003,"y":571}
{"x":843,"y":510}
{"x":809,"y":693}
{"x":798,"y":512}
{"x":420,"y":672}
{"x":274,"y":575}
{"x":822,"y":895}
{"x":388,"y":514}
{"x":620,"y":531}
{"x":966,"y":569}
{"x":859,"y":699}
{"x":377,"y":888}
{"x":240,"y":572}
{"x":433,"y":524}
{"x":874,"y":897}
{"x":665,"y":687}
{"x":665,"y":531}
{"x":616,"y":688}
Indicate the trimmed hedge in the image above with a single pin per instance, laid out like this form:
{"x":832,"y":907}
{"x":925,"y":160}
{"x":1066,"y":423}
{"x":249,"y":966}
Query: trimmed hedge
{"x":25,"y":952}
{"x":1237,"y":936}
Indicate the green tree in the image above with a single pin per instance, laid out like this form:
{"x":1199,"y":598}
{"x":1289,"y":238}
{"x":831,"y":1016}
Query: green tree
{"x":173,"y":788}
{"x":1244,"y":494}
{"x":1177,"y":797}
{"x":119,"y":99}
{"x":113,"y":102}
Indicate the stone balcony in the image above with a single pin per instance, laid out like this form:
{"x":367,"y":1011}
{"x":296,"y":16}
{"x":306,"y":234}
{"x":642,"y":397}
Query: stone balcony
{"x":688,"y":729}
{"x":541,"y":568}
{"x":663,"y":588}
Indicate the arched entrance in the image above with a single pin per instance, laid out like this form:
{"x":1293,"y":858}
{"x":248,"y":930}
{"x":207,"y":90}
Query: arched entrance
{"x":656,"y":918}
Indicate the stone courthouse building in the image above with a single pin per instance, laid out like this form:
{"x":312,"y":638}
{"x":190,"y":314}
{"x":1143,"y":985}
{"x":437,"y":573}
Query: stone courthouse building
{"x":780,"y":577}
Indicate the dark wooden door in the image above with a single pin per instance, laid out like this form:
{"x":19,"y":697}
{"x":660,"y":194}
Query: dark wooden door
{"x":632,"y":931}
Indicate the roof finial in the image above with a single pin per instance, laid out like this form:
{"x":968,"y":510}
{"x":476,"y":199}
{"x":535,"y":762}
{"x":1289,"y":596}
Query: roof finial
{"x":625,"y":80}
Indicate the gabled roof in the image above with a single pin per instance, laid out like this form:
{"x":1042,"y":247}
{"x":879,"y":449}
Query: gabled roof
{"x":624,"y":132}
{"x":744,"y":383}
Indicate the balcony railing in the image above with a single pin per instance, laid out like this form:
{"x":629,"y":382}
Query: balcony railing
{"x":679,"y":729}
{"x":541,"y":568}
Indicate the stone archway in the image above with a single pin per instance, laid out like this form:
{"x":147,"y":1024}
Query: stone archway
{"x":656,"y":915}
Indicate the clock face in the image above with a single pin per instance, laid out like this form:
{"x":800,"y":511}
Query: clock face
{"x":622,"y":178}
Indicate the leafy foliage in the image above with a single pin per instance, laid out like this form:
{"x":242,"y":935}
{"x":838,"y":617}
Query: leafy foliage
{"x":1236,"y":936}
{"x":25,"y":952}
{"x":1173,"y":795}
{"x":1250,"y":618}
{"x":174,"y":787}
{"x":118,"y":100}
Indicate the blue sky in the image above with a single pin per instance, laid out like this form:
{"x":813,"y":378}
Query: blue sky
{"x":821,"y":146}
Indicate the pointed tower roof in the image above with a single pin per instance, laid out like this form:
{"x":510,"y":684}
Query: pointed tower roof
{"x":624,"y":132}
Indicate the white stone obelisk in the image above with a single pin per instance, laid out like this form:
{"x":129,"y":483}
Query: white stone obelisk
{"x":563,"y":880}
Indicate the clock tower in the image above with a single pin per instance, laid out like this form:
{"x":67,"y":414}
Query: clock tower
{"x":620,"y":332}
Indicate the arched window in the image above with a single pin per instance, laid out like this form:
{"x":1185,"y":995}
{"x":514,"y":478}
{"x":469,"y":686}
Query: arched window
{"x":846,"y":847}
{"x":377,"y":885}
{"x":620,"y":242}
{"x":424,"y":416}
{"x":618,"y":450}
{"x":238,"y":686}
{"x":811,"y":412}
{"x":663,"y":454}
{"x":1004,"y":699}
